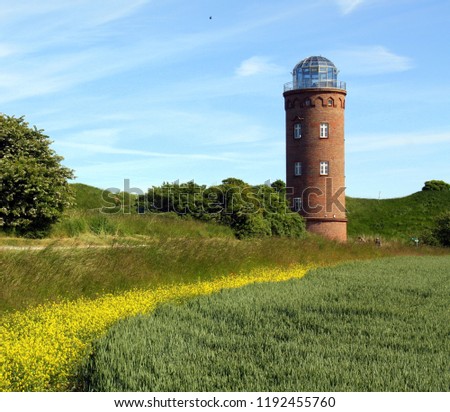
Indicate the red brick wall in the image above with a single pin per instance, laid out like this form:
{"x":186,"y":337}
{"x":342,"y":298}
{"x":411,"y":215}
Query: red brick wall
{"x":331,"y":230}
{"x":323,"y":197}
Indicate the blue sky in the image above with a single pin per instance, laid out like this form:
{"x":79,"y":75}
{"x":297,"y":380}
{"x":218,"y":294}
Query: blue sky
{"x":155,"y":90}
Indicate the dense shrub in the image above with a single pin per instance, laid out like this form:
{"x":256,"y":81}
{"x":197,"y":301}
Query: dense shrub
{"x":439,"y":234}
{"x":33,"y":184}
{"x":436,"y":185}
{"x":427,"y":237}
{"x":442,"y":229}
{"x":251,"y":211}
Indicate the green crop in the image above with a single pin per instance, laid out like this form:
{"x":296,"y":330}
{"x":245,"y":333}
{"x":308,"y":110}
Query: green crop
{"x":377,"y":325}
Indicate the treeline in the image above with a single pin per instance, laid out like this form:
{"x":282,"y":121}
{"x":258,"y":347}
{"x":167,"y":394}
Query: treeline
{"x":251,"y":211}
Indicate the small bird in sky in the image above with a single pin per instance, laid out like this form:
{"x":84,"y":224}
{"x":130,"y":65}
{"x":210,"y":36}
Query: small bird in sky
{"x":210,"y":17}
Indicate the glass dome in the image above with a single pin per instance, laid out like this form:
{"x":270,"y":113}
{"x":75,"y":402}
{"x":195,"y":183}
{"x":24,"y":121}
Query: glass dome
{"x":315,"y":71}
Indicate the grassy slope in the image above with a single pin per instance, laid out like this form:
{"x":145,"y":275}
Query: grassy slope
{"x":366,"y":326}
{"x":87,"y":197}
{"x":400,"y":218}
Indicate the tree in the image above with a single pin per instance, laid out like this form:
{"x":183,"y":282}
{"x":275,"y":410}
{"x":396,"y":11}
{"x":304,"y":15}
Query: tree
{"x":251,"y":211}
{"x":278,"y":185}
{"x":34,"y":187}
{"x":436,"y":185}
{"x":441,"y":232}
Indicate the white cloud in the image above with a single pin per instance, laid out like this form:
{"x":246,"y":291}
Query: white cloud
{"x":81,"y":11}
{"x":373,"y":142}
{"x":370,"y":60}
{"x":69,"y":51}
{"x":100,"y":135}
{"x":256,"y":65}
{"x":108,"y":149}
{"x":7,"y":50}
{"x":347,"y":6}
{"x":55,"y":73}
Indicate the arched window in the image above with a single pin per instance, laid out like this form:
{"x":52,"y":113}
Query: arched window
{"x":330,"y":102}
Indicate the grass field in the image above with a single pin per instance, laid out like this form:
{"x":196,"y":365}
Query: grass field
{"x":113,"y":265}
{"x":31,"y":277}
{"x":367,"y":326}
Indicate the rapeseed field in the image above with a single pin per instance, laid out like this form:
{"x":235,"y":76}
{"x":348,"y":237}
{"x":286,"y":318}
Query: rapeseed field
{"x":378,"y":325}
{"x":42,"y":347}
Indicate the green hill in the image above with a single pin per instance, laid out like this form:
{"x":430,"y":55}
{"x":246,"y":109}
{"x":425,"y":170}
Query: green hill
{"x":87,"y":197}
{"x":401,"y":218}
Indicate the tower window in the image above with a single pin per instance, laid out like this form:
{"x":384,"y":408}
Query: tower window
{"x":324,"y":130}
{"x":297,"y":130}
{"x":324,"y":168}
{"x":308,"y":102}
{"x":298,"y":168}
{"x":297,"y":204}
{"x":330,"y":102}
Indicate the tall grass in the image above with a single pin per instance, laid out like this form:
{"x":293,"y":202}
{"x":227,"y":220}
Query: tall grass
{"x":368,"y":326}
{"x":31,"y":277}
{"x":82,"y":223}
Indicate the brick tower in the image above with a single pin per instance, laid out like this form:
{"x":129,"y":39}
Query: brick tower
{"x":314,"y":104}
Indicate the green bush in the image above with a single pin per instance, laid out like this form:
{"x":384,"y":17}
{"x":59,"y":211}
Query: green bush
{"x":251,"y":225}
{"x":439,"y":234}
{"x":34,"y":189}
{"x":442,"y":229}
{"x":251,"y":211}
{"x":428,"y":238}
{"x":436,"y":185}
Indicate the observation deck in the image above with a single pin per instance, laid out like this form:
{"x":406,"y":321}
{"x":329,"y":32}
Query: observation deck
{"x":336,"y":84}
{"x":315,"y":72}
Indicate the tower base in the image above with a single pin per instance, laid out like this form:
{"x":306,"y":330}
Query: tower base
{"x":332,"y":229}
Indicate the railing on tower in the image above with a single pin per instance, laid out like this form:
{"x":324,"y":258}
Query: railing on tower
{"x":335,"y":84}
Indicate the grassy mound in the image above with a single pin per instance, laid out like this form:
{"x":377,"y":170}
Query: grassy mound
{"x":400,"y":218}
{"x":369,"y":326}
{"x":87,"y":197}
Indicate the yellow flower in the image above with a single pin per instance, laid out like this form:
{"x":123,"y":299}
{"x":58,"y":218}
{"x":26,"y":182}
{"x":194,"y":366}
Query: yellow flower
{"x":40,"y":348}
